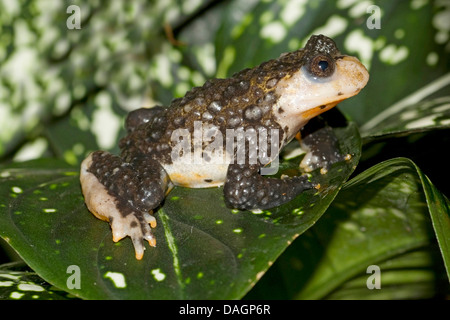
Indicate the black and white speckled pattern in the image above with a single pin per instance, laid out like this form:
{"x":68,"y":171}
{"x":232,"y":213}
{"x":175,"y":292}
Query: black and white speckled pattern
{"x":246,"y":189}
{"x":322,"y":149}
{"x":137,"y":186}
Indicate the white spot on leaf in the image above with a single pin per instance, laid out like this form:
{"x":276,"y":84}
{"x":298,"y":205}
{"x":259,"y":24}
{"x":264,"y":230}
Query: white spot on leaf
{"x":105,"y":124}
{"x":32,"y":150}
{"x":16,"y":295}
{"x":158,"y":275}
{"x":10,"y":276}
{"x":342,"y":4}
{"x":16,"y":190}
{"x":417,"y":4}
{"x":393,"y":55}
{"x":117,"y":278}
{"x":30,"y":287}
{"x":432,"y":59}
{"x":357,"y":42}
{"x":274,"y":31}
{"x":293,"y":11}
{"x":5,"y":174}
{"x":6,"y":283}
{"x":359,"y":9}
{"x":334,"y":26}
{"x":421,"y":123}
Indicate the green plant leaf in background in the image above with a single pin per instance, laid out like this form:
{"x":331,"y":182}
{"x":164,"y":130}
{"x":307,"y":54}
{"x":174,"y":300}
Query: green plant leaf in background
{"x":17,"y":281}
{"x":51,"y":72}
{"x":414,"y":113}
{"x":83,"y":81}
{"x":439,"y":207}
{"x":204,"y":250}
{"x":381,"y":217}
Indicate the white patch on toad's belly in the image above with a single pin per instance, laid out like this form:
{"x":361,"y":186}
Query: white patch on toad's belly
{"x":203,"y":169}
{"x":194,"y":175}
{"x":202,"y":162}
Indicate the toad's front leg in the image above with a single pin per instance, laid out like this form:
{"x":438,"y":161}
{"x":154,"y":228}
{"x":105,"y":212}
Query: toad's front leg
{"x":124,"y":194}
{"x":322,"y":149}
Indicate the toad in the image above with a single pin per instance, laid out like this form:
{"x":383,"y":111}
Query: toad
{"x":188,"y":143}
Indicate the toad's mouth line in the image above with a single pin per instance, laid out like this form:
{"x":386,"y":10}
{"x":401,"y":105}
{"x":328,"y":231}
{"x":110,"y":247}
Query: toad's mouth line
{"x":314,"y":112}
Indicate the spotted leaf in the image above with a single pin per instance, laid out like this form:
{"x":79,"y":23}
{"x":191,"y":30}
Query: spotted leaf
{"x":18,"y":282}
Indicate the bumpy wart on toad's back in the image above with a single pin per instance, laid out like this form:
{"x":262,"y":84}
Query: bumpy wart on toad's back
{"x":281,"y":95}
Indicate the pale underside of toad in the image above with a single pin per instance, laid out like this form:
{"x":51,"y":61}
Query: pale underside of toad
{"x":275,"y":99}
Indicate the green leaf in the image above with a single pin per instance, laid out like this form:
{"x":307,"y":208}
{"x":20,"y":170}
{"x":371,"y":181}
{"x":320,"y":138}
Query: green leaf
{"x":72,"y":79}
{"x":62,"y":69}
{"x":381,"y":217}
{"x":389,"y":218}
{"x":412,"y":275}
{"x":439,"y":207}
{"x":412,"y":114}
{"x":204,"y":250}
{"x":18,"y":282}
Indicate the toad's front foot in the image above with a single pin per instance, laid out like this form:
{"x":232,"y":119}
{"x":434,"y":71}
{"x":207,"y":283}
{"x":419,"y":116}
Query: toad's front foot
{"x":124,"y":194}
{"x":322,"y":150}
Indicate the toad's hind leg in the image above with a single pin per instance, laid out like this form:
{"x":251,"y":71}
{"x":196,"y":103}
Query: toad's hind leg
{"x":246,"y":189}
{"x":124,"y":194}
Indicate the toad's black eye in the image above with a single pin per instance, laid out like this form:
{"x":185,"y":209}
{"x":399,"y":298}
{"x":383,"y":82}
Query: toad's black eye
{"x":321,"y":66}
